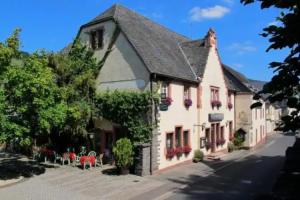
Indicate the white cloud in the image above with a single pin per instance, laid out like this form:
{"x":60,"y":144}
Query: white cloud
{"x":230,"y":2}
{"x":237,"y":65}
{"x":242,"y":48}
{"x":197,"y":14}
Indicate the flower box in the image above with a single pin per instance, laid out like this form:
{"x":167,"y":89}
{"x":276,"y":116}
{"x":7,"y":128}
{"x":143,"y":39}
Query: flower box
{"x":216,"y":104}
{"x":221,"y":141}
{"x":178,"y":150}
{"x":167,"y":101}
{"x":230,"y":105}
{"x":170,"y":153}
{"x":186,"y":149}
{"x":188,"y":102}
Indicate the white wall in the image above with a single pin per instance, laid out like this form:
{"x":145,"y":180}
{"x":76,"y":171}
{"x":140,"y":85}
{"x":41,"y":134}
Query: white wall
{"x":177,"y":115}
{"x":123,"y":68}
{"x":213,"y":76}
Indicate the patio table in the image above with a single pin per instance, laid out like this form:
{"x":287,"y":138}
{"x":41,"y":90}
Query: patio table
{"x":84,"y":159}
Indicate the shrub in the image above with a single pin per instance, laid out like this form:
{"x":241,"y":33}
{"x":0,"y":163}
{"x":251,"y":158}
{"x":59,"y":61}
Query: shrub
{"x":238,"y":140}
{"x":198,"y":156}
{"x":123,"y":153}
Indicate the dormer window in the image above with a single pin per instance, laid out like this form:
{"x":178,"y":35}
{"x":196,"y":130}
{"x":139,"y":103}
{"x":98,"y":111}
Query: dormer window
{"x":96,"y":39}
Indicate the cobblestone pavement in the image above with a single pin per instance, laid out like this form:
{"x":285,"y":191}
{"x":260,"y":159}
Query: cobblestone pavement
{"x":73,"y":183}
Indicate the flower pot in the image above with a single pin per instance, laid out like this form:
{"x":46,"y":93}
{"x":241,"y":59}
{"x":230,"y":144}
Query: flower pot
{"x":124,"y":171}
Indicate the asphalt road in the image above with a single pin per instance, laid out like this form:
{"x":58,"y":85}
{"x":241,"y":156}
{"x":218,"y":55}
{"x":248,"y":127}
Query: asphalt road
{"x":241,"y":179}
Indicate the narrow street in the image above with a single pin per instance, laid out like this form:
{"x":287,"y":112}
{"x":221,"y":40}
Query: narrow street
{"x":239,"y":175}
{"x":242,"y":178}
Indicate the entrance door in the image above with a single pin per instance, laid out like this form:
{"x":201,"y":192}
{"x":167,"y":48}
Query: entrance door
{"x":107,"y":142}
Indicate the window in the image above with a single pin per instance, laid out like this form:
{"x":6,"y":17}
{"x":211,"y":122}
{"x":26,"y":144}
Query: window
{"x":186,"y":138}
{"x":164,"y":90}
{"x":178,"y":131}
{"x":96,"y":39}
{"x":229,"y":97}
{"x":214,"y":94}
{"x":186,"y":92}
{"x":207,"y":135}
{"x":169,"y":140}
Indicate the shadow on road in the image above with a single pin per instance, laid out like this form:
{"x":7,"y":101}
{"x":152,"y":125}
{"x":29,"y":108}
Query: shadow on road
{"x":13,"y":166}
{"x":242,"y":179}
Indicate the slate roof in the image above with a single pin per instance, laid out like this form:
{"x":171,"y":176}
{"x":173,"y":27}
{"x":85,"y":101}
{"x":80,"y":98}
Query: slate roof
{"x":158,"y":47}
{"x":235,"y":80}
{"x":165,"y":52}
{"x":196,"y":53}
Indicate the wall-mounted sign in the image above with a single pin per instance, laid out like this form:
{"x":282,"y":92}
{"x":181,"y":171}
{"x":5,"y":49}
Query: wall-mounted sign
{"x":163,"y":107}
{"x":215,"y":117}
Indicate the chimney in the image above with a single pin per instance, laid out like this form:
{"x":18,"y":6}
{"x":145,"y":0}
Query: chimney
{"x":211,"y":39}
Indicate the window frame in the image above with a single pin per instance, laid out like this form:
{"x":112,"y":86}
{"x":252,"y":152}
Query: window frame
{"x":172,"y":140}
{"x":188,"y":138}
{"x":214,"y":93}
{"x":95,"y":40}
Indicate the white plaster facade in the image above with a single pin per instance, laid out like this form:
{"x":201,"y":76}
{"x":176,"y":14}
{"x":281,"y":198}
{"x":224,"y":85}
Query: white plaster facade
{"x":214,"y":77}
{"x":251,"y":121}
{"x":177,"y":115}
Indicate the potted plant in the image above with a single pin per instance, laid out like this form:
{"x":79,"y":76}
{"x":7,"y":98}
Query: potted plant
{"x":222,"y":141}
{"x":198,"y":156}
{"x":230,"y":105}
{"x":188,"y":102}
{"x":123,"y":153}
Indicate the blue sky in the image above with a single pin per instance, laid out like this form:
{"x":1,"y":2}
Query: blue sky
{"x":51,"y":25}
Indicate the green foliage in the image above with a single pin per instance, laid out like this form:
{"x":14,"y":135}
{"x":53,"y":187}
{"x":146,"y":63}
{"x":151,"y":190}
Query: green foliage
{"x":123,"y":152}
{"x":285,"y":84}
{"x":129,"y":109}
{"x":238,"y":140}
{"x":198,"y":155}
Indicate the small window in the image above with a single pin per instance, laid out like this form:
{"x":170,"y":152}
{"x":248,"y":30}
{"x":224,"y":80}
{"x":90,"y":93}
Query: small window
{"x":186,"y":92}
{"x":178,"y":136}
{"x":186,"y":138}
{"x":229,"y":97}
{"x":164,"y":90}
{"x":230,"y":130}
{"x":214,"y":94}
{"x":169,"y":140}
{"x":97,"y":39}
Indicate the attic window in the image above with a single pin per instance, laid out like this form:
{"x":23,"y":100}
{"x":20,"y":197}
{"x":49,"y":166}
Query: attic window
{"x":96,"y":39}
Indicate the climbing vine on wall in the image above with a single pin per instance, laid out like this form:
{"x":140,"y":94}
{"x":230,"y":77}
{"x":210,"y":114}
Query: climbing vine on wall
{"x":132,"y":110}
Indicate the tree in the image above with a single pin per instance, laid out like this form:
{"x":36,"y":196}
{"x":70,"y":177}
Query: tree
{"x":285,"y":85}
{"x":76,"y":72}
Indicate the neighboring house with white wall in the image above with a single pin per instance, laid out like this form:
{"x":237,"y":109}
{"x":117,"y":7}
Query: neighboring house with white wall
{"x":250,"y":122}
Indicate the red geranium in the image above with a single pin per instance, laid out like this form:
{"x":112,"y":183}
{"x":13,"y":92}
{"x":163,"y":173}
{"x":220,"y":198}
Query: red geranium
{"x":186,"y":149}
{"x":170,"y":153}
{"x":230,"y":105}
{"x":216,"y":103}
